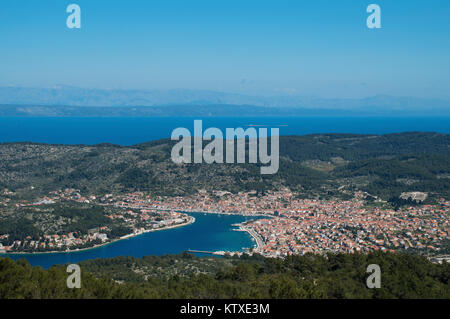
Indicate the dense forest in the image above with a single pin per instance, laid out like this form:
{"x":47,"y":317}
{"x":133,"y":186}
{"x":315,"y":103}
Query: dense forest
{"x":320,"y":166}
{"x":308,"y":276}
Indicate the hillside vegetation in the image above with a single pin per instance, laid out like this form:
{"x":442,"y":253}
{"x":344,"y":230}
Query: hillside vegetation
{"x":320,"y":165}
{"x":309,"y":276}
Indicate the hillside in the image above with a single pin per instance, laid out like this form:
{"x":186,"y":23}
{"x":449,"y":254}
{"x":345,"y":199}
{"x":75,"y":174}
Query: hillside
{"x":320,"y":165}
{"x":310,"y":276}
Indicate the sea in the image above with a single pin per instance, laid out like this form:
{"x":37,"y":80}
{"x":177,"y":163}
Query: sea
{"x":130,"y":131}
{"x":210,"y":232}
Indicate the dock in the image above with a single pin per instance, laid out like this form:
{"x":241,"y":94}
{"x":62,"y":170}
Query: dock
{"x":220,"y":253}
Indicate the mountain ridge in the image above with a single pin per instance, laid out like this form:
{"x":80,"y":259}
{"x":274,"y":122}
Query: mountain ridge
{"x":65,"y":97}
{"x":315,"y":165}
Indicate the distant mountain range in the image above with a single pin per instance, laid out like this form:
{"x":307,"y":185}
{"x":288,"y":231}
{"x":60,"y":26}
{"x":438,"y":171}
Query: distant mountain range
{"x":72,"y":101}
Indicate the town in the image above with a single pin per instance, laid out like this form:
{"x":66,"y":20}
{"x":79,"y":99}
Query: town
{"x":287,"y":224}
{"x":121,"y":224}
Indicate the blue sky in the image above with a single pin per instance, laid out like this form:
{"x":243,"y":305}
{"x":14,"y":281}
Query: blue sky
{"x":258,"y":47}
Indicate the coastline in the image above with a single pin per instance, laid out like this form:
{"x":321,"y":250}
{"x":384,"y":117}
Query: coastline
{"x":191,"y":221}
{"x":259,"y":243}
{"x":258,"y":240}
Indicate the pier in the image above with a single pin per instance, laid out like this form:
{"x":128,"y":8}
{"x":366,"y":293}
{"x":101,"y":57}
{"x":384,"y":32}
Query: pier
{"x":220,"y":253}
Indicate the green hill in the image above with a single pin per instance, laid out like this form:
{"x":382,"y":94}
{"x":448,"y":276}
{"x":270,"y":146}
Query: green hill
{"x":316,"y":165}
{"x":310,"y":276}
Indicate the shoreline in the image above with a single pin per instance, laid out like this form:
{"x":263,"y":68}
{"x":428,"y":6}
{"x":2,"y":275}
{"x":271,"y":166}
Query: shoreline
{"x":259,"y":243}
{"x":129,"y":236}
{"x":191,"y":221}
{"x":258,"y":240}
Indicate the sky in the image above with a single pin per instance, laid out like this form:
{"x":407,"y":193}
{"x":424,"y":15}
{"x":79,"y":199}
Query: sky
{"x":319,"y":48}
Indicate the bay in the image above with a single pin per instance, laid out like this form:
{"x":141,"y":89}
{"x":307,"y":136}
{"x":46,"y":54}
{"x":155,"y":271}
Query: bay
{"x":210,"y":232}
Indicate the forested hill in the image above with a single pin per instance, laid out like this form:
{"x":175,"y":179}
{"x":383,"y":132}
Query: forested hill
{"x":320,"y":165}
{"x":185,"y":276}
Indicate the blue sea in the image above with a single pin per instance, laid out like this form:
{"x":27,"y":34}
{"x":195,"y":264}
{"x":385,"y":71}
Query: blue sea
{"x":130,"y":131}
{"x":210,"y":232}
